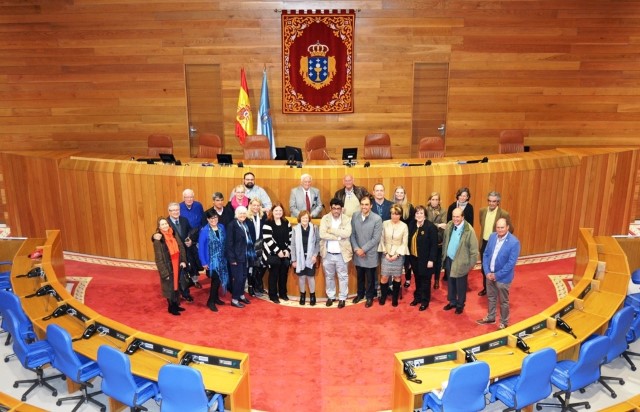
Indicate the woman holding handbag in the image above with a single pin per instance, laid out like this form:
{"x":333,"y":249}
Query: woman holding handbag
{"x":277,"y":239}
{"x":170,"y":256}
{"x":211,"y":244}
{"x":305,"y":248}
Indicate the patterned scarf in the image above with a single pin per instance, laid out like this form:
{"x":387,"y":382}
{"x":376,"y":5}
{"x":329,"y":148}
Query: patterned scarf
{"x":251,"y":252}
{"x":217,"y":258}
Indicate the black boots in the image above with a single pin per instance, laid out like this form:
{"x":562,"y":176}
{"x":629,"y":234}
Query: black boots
{"x":384,"y":291}
{"x":173,"y":308}
{"x":312,"y":299}
{"x":303,"y":298}
{"x":395,"y":293}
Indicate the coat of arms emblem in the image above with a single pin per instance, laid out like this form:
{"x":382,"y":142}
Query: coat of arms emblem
{"x":317,"y":69}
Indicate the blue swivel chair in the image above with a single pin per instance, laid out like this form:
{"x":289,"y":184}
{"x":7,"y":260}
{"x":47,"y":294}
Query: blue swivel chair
{"x":617,"y":333}
{"x":9,"y":301}
{"x":119,"y":383}
{"x":78,"y":368}
{"x":464,"y":392}
{"x":570,"y":376}
{"x":532,"y":385}
{"x":33,"y":356}
{"x":181,"y":389}
{"x":633,"y":300}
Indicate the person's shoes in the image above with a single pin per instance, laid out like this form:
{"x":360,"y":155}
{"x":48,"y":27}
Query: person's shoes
{"x":303,"y":298}
{"x":218,"y":301}
{"x":341,"y":304}
{"x":459,"y":311}
{"x":503,"y":325}
{"x":174,"y":312}
{"x":414,"y":302}
{"x":424,"y":306}
{"x":275,"y":300}
{"x":482,"y":292}
{"x":188,"y":298}
{"x":436,"y":284}
{"x":244,"y":300}
{"x":407,"y":283}
{"x":329,"y":302}
{"x":257,"y":293}
{"x":356,"y":300}
{"x":213,"y":307}
{"x":197,"y":285}
{"x":237,"y":304}
{"x":369,"y":303}
{"x":448,"y":306}
{"x":312,"y":299}
{"x":485,"y":321}
{"x":284,"y":297}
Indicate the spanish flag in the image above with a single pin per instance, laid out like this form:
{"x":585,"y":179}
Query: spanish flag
{"x":244,"y":118}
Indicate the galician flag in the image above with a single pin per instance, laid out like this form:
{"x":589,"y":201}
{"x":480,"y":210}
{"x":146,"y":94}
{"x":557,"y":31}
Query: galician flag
{"x":244,"y":118}
{"x":265,"y":125}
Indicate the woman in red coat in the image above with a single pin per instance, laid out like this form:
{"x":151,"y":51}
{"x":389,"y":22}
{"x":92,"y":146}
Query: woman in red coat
{"x":170,"y":256}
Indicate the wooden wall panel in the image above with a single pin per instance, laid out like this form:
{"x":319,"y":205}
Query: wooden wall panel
{"x":84,"y":74}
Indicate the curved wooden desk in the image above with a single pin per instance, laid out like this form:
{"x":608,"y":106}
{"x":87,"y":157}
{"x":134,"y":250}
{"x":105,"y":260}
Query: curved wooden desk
{"x":108,"y":206}
{"x":223,"y":371}
{"x":597,"y":294}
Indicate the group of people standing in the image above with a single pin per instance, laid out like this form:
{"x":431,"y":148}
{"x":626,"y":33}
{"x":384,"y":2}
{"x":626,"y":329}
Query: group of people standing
{"x":238,"y":242}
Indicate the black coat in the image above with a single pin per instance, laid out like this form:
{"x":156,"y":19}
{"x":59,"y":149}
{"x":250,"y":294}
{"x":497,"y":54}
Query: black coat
{"x":426,"y":242}
{"x":236,"y":243}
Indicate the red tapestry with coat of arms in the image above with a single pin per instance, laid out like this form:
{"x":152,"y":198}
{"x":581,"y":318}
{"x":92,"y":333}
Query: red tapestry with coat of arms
{"x":317,"y":61}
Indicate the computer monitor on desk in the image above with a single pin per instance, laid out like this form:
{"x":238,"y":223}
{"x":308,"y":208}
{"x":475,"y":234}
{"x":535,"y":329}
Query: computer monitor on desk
{"x":281,"y":153}
{"x":293,"y":153}
{"x":168,"y":158}
{"x":224,"y":159}
{"x":349,"y":155}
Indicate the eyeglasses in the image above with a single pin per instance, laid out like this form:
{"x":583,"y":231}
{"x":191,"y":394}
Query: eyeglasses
{"x":174,"y":210}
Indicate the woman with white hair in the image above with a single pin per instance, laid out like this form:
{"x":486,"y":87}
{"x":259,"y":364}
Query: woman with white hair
{"x":305,"y":247}
{"x":240,"y":254}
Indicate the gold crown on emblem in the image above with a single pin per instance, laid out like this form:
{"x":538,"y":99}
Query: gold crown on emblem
{"x":318,"y":49}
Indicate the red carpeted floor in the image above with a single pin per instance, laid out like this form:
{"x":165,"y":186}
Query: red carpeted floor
{"x":307,"y":359}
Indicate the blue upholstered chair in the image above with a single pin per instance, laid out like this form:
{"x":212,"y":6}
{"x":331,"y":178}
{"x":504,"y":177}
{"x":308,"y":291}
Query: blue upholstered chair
{"x":119,"y":383}
{"x":617,"y":333}
{"x":464,"y":392}
{"x":532,"y":385}
{"x":572,"y":375}
{"x":33,"y":356}
{"x":633,"y":301}
{"x":181,"y":389}
{"x":78,"y":368}
{"x":9,"y":301}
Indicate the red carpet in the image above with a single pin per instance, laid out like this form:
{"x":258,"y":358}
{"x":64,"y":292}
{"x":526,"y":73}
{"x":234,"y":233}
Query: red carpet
{"x":311,"y":359}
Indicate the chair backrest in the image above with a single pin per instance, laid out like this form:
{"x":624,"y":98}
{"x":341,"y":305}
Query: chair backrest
{"x":534,"y":382}
{"x":466,"y":387}
{"x":511,"y":141}
{"x":618,"y":328}
{"x":586,"y":369}
{"x":431,"y":147}
{"x":315,"y":148}
{"x":257,"y":147}
{"x":117,"y":380}
{"x":181,"y":389}
{"x":10,"y":301}
{"x":159,"y":143}
{"x":23,"y":350}
{"x":377,"y":146}
{"x":209,"y":145}
{"x":65,"y":359}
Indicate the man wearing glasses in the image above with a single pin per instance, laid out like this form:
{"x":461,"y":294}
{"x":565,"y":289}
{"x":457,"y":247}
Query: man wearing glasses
{"x":252,"y":191}
{"x":336,"y":251}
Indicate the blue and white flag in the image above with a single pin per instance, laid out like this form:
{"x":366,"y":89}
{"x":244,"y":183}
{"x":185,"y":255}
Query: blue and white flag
{"x":265,"y":125}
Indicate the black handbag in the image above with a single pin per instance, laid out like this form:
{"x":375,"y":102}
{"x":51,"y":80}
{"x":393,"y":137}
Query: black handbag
{"x":185,"y":279}
{"x":273,"y":260}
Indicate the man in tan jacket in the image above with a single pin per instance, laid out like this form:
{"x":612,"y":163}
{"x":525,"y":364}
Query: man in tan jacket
{"x":488,"y":217}
{"x":336,"y":251}
{"x":459,"y":254}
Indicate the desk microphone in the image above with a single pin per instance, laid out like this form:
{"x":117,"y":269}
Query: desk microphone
{"x":495,"y":353}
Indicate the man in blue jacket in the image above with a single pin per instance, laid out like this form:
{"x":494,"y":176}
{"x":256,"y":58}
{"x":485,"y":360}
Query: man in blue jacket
{"x":499,"y":262}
